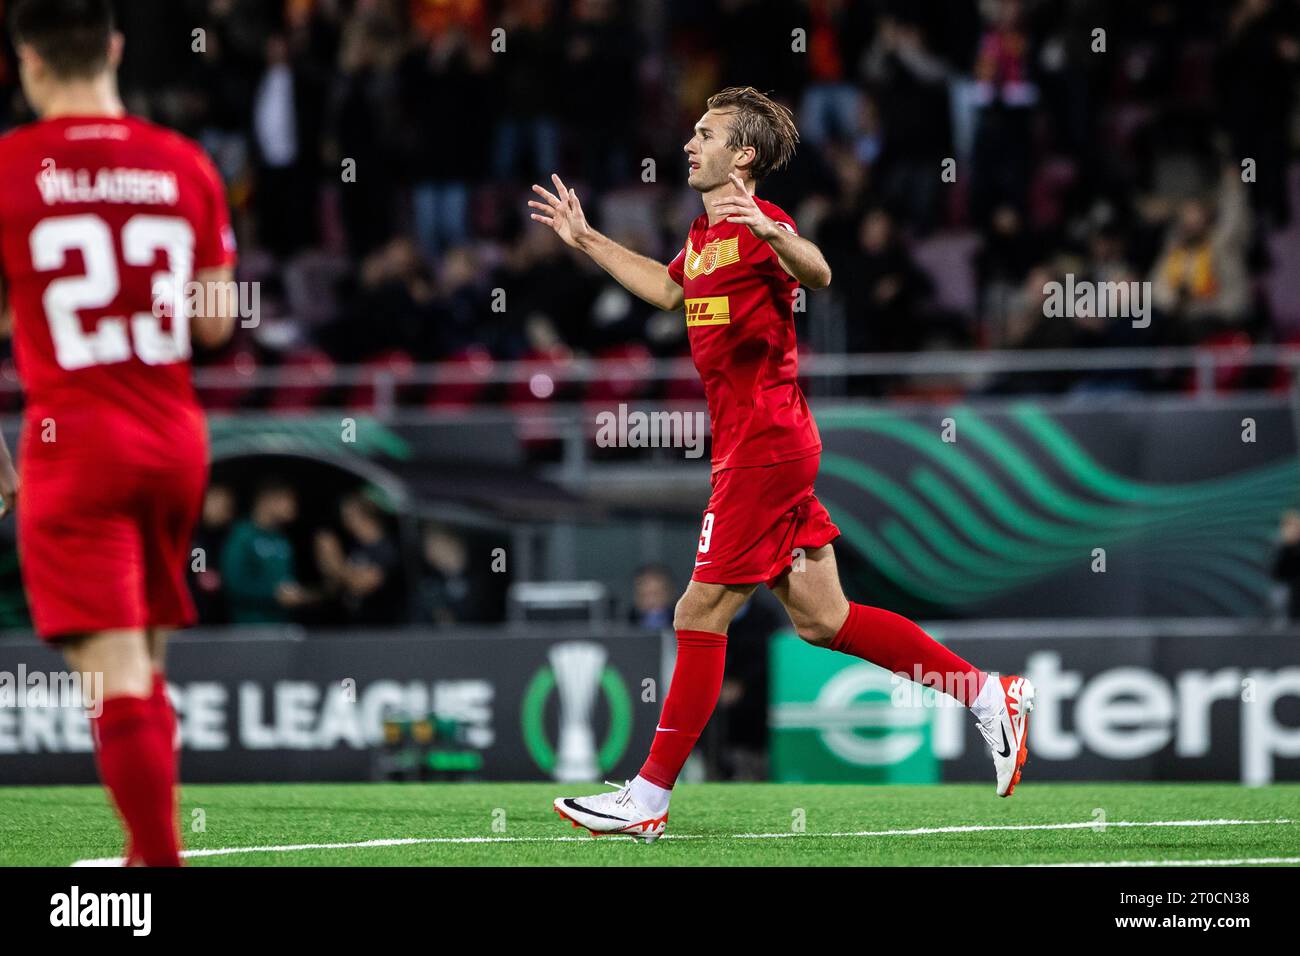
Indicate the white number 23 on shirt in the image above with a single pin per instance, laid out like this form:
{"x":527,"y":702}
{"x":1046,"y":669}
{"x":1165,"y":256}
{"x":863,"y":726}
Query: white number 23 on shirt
{"x":143,"y":237}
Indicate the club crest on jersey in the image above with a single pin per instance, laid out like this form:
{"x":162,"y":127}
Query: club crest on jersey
{"x":714,"y":255}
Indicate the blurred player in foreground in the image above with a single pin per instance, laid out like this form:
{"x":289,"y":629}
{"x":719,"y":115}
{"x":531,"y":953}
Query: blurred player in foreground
{"x":107,"y":223}
{"x":737,"y":277}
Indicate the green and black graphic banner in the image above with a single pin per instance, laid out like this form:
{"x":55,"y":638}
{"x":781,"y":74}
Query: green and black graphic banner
{"x":1019,"y":511}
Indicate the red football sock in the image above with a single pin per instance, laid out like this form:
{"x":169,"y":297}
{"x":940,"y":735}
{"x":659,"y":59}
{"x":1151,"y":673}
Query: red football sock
{"x":163,"y":717}
{"x":164,"y":714}
{"x":165,"y":722}
{"x":896,"y":644}
{"x":138,"y":771}
{"x":697,"y":681}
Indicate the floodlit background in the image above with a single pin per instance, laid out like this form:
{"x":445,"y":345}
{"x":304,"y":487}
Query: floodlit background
{"x":1099,"y":502}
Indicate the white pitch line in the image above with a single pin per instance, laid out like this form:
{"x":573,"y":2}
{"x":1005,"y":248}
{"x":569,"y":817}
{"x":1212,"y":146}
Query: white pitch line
{"x":1255,"y":861}
{"x":918,"y":831}
{"x":365,"y":844}
{"x":1099,"y":826}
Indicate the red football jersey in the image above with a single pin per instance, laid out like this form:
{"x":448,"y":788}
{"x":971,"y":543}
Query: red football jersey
{"x":740,"y":320}
{"x":96,"y":215}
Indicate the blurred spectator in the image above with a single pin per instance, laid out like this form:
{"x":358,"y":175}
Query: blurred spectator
{"x":1286,"y":561}
{"x":600,"y":59}
{"x":454,"y":72}
{"x":393,"y":308}
{"x":541,"y":282}
{"x":1002,"y":260}
{"x":365,"y":577}
{"x":1106,"y":263}
{"x":1256,"y":79}
{"x":207,"y":585}
{"x":285,"y":137}
{"x":461,"y":289}
{"x":257,"y":563}
{"x":885,"y":291}
{"x":910,"y":84}
{"x":1027,"y":326}
{"x":1200,"y":280}
{"x":653,"y":597}
{"x":832,"y":105}
{"x":1004,"y":96}
{"x":377,"y":155}
{"x":365,"y":122}
{"x":449,"y":591}
{"x":527,"y":126}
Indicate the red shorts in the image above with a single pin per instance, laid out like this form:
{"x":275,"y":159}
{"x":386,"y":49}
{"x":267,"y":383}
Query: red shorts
{"x":757,"y":519}
{"x":104,"y":548}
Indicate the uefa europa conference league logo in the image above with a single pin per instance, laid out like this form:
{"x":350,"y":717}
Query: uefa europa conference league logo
{"x":578,"y":670}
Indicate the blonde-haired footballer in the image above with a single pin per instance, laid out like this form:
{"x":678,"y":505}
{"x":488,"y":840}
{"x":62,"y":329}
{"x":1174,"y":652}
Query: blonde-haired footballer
{"x":736,"y":279}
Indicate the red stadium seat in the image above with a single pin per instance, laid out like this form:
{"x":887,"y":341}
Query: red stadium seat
{"x":546,"y":372}
{"x":396,"y":364}
{"x":460,"y":394}
{"x":1283,"y":376}
{"x":241,"y":364}
{"x":1228,"y":374}
{"x":538,"y":432}
{"x":300,"y":397}
{"x":629,"y":379}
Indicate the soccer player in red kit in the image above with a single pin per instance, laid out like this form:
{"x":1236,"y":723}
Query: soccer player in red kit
{"x":106,"y":222}
{"x":736,"y":278}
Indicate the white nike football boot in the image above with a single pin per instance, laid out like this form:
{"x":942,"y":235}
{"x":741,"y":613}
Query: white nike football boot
{"x":1006,"y":731}
{"x":607,"y":813}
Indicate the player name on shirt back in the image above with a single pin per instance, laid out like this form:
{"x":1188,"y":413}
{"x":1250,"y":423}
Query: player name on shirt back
{"x":150,"y":187}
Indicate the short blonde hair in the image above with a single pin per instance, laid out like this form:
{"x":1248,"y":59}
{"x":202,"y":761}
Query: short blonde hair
{"x":761,"y":123}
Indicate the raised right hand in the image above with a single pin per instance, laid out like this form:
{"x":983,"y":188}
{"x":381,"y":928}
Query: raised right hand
{"x":563,"y":213}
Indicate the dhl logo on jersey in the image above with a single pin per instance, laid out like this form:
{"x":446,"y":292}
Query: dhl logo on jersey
{"x":714,"y":255}
{"x":715,"y":310}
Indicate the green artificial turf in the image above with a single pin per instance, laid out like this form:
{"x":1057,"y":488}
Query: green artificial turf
{"x":710,"y":824}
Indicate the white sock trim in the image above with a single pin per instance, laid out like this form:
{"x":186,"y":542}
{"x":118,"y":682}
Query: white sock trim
{"x":990,"y":698}
{"x":650,"y":797}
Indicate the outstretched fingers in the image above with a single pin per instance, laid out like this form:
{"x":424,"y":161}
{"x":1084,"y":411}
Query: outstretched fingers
{"x":547,"y":195}
{"x":560,"y":187}
{"x":554,"y":207}
{"x":732,"y":209}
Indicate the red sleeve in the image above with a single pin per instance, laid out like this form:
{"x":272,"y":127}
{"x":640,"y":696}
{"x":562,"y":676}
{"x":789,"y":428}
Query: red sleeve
{"x":677,"y":268}
{"x":215,"y":239}
{"x":766,"y":254}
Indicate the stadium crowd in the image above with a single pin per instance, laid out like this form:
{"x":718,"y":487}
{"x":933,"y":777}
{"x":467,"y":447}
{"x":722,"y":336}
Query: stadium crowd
{"x":273,"y":563}
{"x":378,"y":155}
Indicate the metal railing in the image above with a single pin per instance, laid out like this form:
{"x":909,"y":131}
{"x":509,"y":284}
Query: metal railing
{"x":546,"y":377}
